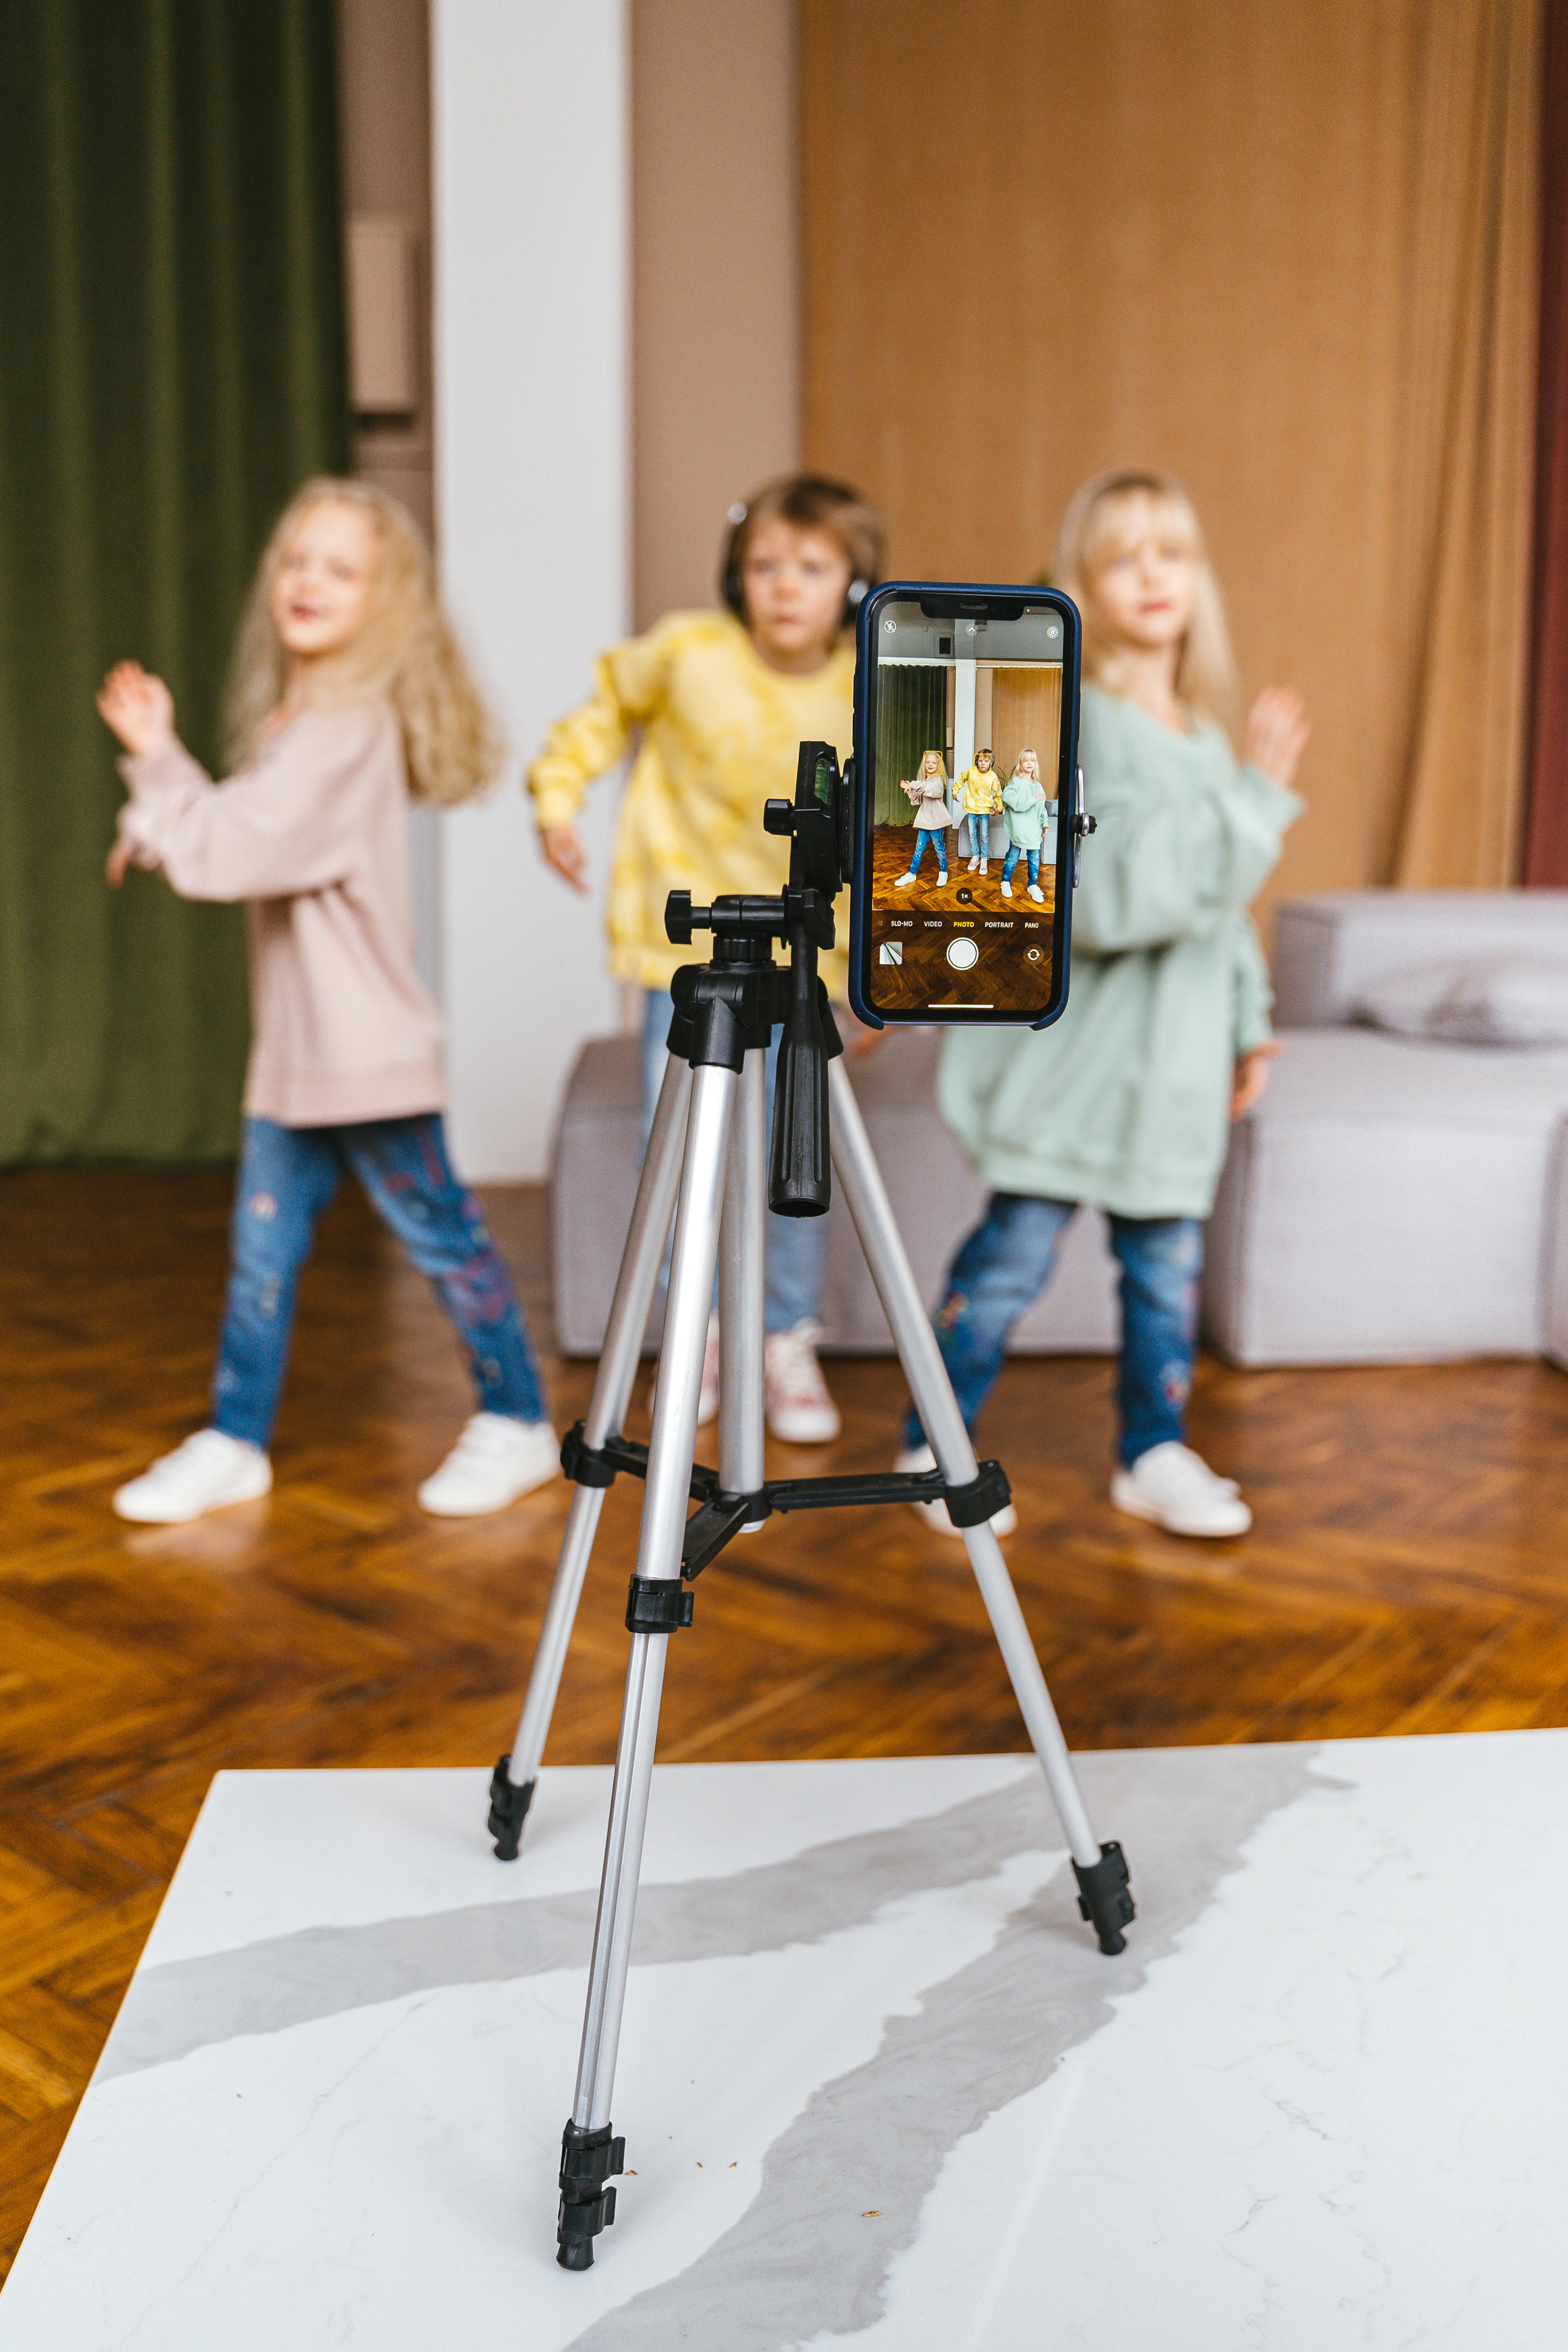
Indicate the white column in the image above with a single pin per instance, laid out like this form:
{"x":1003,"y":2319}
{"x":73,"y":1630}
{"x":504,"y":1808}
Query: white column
{"x":530,"y":134}
{"x":962,"y":717}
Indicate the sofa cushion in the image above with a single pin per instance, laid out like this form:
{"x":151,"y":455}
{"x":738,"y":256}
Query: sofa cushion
{"x":1385,"y":1202}
{"x":1474,"y":1001}
{"x":935,"y":1196}
{"x":1328,"y":949}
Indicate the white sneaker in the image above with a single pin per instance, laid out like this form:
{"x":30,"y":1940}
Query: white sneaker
{"x":207,"y":1472}
{"x":1175,"y":1487}
{"x":1006,"y":889}
{"x":905,"y":880}
{"x":974,"y":863}
{"x":1037,"y":894}
{"x":984,"y":865}
{"x":920,"y":1457}
{"x":495,"y":1460}
{"x":799,"y":1409}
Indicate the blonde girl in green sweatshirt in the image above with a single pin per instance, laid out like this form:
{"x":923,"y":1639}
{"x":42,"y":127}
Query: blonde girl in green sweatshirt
{"x":1126,"y":1102}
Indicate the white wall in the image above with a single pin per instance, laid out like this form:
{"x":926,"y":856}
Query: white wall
{"x":531,"y":139}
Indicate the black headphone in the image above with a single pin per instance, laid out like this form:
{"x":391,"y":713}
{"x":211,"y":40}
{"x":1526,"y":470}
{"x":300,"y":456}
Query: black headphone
{"x":729,"y":584}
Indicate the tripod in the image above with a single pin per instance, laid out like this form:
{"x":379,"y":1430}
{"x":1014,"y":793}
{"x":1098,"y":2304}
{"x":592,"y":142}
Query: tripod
{"x":706,"y":1163}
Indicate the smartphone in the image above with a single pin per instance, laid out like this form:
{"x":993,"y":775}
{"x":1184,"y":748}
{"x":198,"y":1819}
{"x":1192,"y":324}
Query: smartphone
{"x":966,"y":797}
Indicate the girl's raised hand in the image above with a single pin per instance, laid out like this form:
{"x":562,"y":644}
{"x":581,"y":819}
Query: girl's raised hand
{"x":1250,"y":1083}
{"x":1277,"y":732}
{"x":137,"y":706}
{"x":562,"y":848}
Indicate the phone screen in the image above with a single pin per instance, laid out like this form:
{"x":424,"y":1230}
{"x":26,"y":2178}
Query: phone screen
{"x":968,"y":809}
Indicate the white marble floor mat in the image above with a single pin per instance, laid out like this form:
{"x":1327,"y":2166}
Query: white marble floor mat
{"x":878,"y":2088}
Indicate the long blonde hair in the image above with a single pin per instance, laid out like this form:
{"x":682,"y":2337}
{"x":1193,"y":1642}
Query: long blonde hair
{"x":1094,"y":522}
{"x":405,"y":650}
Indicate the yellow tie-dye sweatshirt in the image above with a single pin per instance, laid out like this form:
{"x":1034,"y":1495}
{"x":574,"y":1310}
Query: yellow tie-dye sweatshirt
{"x":719,"y":731}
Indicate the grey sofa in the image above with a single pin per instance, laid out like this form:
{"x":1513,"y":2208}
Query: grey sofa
{"x":1392,"y":1199}
{"x":1389,"y":1201}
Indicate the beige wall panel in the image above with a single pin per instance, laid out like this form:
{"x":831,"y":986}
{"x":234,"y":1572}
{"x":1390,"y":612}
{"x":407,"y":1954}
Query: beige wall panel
{"x":384,"y":72}
{"x":384,"y":66}
{"x":1048,"y":239}
{"x":715,"y":276}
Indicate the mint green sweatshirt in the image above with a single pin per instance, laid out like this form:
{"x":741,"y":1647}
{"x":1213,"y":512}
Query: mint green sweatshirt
{"x":1125,"y":1100}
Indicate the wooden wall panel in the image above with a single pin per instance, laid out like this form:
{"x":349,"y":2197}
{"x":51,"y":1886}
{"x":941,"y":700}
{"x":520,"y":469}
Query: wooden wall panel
{"x":715,"y":282}
{"x":1026,"y":713}
{"x":1044,"y":239}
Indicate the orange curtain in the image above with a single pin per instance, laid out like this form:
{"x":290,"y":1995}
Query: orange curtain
{"x":1470,"y":412}
{"x":1546,"y":848}
{"x":1289,"y":253}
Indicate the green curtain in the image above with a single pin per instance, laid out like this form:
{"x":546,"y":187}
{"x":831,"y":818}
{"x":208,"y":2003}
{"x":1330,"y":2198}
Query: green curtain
{"x":172,"y":366}
{"x":911,"y":719}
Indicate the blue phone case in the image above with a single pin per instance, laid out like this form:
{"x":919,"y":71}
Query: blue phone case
{"x":1068,"y":788}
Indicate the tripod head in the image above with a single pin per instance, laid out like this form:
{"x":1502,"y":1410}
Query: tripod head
{"x":728,"y":1006}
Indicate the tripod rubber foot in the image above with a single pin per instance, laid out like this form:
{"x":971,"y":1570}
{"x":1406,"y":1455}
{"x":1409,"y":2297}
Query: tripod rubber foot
{"x":587,"y":2206}
{"x":1105,"y":1897}
{"x":508,"y":1809}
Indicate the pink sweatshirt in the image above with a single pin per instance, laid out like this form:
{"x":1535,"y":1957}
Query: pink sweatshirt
{"x":313,"y":834}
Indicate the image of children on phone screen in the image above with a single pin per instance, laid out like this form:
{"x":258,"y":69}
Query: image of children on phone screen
{"x":927,"y":790}
{"x":978,"y":793}
{"x":1024,"y":811}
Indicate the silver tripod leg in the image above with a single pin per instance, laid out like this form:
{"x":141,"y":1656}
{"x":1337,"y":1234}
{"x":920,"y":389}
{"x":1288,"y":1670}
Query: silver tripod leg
{"x":512,"y":1786}
{"x":742,"y":1283}
{"x":943,"y":1424}
{"x":588,"y":2154}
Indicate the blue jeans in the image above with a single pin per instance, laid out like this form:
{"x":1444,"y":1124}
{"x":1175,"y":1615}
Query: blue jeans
{"x":287,"y":1176}
{"x":1013,"y":853}
{"x":1005,"y":1264}
{"x":977,"y":833}
{"x":924,"y":834}
{"x":796,"y":1245}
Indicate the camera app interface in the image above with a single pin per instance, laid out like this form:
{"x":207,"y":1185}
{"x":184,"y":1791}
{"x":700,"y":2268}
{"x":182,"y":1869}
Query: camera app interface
{"x":965,"y":768}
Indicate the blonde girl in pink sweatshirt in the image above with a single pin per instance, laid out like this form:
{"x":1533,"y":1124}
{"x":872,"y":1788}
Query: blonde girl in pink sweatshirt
{"x":350,"y":695}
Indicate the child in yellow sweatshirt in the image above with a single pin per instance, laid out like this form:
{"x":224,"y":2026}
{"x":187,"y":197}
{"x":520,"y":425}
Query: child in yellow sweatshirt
{"x":720,"y":702}
{"x":978,"y":792}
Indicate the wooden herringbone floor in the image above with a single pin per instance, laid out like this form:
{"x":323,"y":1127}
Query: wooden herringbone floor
{"x":1408,"y":1573}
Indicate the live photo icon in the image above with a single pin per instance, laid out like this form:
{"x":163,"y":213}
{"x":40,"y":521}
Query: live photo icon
{"x":890,"y":952}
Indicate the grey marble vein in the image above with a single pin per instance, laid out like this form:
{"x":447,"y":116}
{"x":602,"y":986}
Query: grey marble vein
{"x":803,"y":2262}
{"x":278,"y":1981}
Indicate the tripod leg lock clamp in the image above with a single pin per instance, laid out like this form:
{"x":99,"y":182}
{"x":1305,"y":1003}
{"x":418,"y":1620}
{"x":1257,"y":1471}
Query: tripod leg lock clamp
{"x":587,"y":2206}
{"x":1105,"y":1897}
{"x":986,"y":1494}
{"x":508,"y":1809}
{"x":657,"y":1604}
{"x":582,"y":1463}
